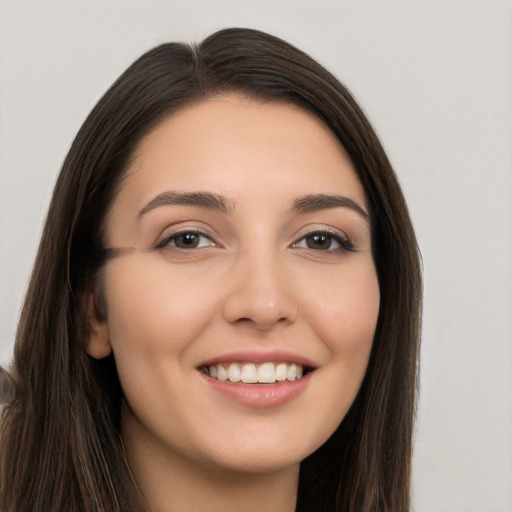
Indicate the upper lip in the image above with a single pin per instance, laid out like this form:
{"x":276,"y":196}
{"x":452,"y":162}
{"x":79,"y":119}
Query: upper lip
{"x":257,"y":357}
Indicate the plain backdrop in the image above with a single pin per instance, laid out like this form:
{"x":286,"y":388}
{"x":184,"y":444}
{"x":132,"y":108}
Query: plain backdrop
{"x":435,"y":79}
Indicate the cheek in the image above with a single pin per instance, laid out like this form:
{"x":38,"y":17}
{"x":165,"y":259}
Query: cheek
{"x":345,"y":311}
{"x":344,"y":315}
{"x":151,"y":311}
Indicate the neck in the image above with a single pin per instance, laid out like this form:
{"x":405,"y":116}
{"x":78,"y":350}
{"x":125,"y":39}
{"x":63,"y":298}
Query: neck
{"x":171,"y":482}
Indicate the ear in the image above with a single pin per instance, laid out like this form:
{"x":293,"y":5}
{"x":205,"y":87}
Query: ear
{"x":98,"y":345}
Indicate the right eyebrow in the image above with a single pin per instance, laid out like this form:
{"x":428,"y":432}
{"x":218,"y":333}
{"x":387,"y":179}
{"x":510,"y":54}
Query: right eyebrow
{"x":315,"y":202}
{"x":207,"y":200}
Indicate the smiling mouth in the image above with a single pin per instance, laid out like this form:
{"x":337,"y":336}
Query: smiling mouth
{"x":251,"y":373}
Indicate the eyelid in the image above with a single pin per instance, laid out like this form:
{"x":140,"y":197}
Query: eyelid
{"x":174,"y":236}
{"x":341,"y":237}
{"x":174,"y":232}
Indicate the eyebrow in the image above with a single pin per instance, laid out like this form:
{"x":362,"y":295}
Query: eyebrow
{"x":206,"y":200}
{"x":315,"y":202}
{"x":212,"y":201}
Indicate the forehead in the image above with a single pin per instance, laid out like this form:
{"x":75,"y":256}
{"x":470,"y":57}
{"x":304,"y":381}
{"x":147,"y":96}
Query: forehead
{"x":231,"y":144}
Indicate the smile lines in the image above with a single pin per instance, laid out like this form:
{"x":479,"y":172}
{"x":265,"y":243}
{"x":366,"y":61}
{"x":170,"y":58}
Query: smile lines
{"x":250,"y":373}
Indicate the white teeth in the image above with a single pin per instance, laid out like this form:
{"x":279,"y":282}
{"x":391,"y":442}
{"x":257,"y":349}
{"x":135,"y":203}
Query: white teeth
{"x":281,"y":370}
{"x":250,"y":373}
{"x":291,"y":374}
{"x":267,"y":373}
{"x":222,"y":374}
{"x":234,"y":372}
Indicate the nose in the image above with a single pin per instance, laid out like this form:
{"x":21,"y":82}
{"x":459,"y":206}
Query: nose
{"x":259,"y":292}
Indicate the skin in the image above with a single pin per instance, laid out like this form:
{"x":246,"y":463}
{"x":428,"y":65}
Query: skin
{"x":257,"y":283}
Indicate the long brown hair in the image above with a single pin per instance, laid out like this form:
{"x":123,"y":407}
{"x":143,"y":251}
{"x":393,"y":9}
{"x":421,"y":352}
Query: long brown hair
{"x":60,"y":441}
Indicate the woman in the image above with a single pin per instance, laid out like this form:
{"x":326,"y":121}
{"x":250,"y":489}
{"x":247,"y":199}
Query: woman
{"x":224,"y":310}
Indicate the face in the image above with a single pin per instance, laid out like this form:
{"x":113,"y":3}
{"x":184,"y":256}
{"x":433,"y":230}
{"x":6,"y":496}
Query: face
{"x":242,"y":306}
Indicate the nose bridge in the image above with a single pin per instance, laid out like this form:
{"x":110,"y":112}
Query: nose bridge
{"x":258,"y":290}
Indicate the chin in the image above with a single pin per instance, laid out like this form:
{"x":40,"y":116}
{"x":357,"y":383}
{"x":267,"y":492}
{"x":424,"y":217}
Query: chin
{"x":263,"y":458}
{"x":259,"y":465}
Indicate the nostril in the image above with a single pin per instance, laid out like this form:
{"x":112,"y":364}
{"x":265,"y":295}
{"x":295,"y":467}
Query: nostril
{"x":262,"y":324}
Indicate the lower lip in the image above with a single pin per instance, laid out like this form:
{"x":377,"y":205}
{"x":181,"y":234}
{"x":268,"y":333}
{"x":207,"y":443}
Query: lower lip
{"x":260,"y":396}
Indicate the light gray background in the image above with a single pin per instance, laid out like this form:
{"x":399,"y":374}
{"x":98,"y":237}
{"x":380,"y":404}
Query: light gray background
{"x":435,"y":79}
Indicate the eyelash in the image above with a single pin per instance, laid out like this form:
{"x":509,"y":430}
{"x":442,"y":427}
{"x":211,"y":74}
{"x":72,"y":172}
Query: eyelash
{"x":345,"y":245}
{"x":166,"y":241}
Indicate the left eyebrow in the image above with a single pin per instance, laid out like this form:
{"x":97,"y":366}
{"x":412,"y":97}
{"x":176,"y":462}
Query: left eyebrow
{"x":206,"y":200}
{"x":315,"y":202}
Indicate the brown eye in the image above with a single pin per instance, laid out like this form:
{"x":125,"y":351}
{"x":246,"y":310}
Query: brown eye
{"x":186,"y":240}
{"x":325,"y":241}
{"x":320,"y":241}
